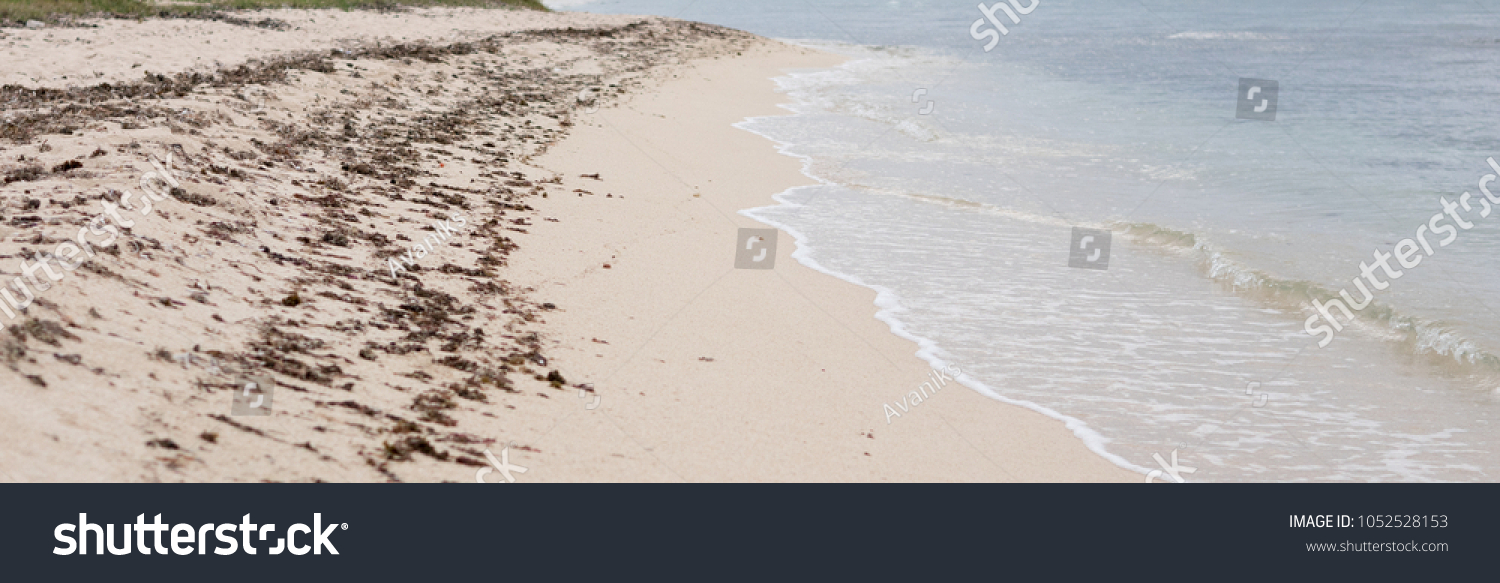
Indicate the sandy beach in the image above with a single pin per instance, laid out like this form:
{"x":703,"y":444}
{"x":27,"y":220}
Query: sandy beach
{"x":443,"y":232}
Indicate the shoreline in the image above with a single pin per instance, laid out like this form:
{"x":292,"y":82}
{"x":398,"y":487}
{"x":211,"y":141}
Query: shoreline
{"x":671,"y":148}
{"x":889,"y":307}
{"x":583,"y":321}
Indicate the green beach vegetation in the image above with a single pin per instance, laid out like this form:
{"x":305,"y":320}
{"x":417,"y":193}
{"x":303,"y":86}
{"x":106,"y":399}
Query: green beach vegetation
{"x":18,"y":12}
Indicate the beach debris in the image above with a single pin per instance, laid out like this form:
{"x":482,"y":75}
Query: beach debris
{"x":329,"y":186}
{"x":403,"y":449}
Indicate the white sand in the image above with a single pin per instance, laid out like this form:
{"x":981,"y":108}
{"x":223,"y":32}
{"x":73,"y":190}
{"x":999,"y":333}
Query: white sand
{"x":124,"y":50}
{"x":800,"y":367}
{"x":703,"y":372}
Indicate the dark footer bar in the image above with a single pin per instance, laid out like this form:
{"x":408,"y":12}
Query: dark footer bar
{"x":705,"y":533}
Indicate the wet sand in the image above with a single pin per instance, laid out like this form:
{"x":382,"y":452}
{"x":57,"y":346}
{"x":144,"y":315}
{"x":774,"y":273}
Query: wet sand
{"x":400,"y":234}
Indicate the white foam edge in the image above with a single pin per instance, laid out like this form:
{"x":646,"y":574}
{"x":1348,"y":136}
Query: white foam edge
{"x":889,"y":304}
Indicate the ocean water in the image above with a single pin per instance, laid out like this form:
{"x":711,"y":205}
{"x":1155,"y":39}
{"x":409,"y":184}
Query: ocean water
{"x":950,"y":179}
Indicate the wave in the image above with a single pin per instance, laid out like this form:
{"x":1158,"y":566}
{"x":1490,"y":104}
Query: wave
{"x":1225,"y":36}
{"x":1441,"y":342}
{"x":866,"y":63}
{"x":890,"y":308}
